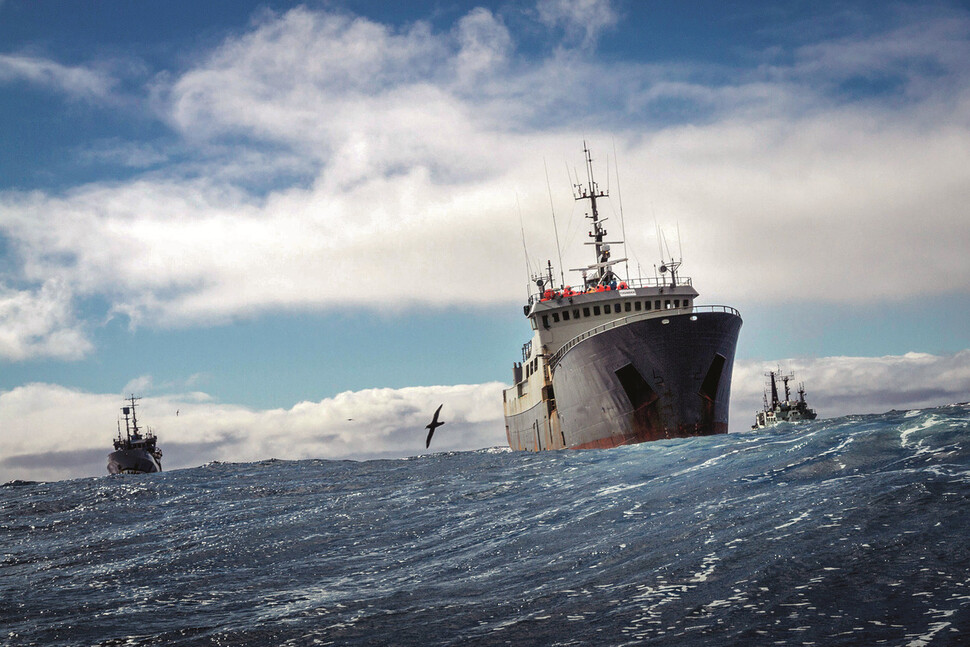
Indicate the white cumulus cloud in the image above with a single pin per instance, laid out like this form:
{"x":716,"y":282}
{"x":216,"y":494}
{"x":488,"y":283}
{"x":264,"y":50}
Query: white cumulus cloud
{"x":40,"y":323}
{"x":582,"y":20}
{"x":76,"y":81}
{"x":415,"y":149}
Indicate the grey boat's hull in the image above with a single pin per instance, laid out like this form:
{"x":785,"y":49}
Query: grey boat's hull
{"x":650,"y":379}
{"x":132,"y":461}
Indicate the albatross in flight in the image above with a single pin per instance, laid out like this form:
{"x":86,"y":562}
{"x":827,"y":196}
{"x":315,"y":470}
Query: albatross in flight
{"x":434,"y":425}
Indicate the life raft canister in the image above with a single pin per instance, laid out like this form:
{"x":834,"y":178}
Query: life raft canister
{"x":623,"y":285}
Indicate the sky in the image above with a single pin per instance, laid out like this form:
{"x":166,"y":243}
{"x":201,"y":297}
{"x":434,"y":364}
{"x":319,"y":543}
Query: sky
{"x":301,"y":225}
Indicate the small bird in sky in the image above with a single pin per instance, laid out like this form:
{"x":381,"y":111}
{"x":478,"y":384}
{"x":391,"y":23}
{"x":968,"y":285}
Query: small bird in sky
{"x":434,"y":425}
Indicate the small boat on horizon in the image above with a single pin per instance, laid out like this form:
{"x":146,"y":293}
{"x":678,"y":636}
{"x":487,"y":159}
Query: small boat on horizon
{"x":779,"y":410}
{"x":134,"y":453}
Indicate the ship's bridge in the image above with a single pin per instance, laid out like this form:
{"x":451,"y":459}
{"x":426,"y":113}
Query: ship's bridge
{"x":560,"y":315}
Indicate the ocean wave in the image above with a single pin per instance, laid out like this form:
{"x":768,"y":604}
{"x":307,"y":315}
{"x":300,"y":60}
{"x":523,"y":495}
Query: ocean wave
{"x":838,"y":531}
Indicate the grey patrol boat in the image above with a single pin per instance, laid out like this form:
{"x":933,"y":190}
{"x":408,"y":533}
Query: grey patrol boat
{"x":134,"y":452}
{"x":779,"y":410}
{"x":617,"y":361}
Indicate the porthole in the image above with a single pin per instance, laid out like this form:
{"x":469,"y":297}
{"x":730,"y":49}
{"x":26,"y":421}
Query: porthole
{"x":665,"y":321}
{"x":693,"y":317}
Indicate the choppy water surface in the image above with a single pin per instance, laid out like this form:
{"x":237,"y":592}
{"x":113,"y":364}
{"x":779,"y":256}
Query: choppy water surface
{"x":851,"y":531}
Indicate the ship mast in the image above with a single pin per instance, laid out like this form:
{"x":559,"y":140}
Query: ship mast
{"x":591,"y":192}
{"x":126,"y":411}
{"x":774,"y":389}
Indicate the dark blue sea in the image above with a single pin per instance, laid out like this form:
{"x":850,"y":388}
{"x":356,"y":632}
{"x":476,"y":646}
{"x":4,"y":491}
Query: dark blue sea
{"x":849,"y":531}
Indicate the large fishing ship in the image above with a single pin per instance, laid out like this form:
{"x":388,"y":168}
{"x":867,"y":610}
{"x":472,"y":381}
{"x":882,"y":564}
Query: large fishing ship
{"x":616,"y":361}
{"x":134,"y":453}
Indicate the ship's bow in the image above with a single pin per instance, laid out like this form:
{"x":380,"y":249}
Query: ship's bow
{"x":132,"y":461}
{"x":667,"y":376}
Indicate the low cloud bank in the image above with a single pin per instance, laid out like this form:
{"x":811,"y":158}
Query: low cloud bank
{"x":839,"y":386}
{"x":51,"y":432}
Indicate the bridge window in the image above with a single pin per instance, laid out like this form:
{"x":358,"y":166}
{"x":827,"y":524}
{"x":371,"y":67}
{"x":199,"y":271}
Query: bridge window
{"x":656,"y":304}
{"x":545,"y":320}
{"x":576,"y":313}
{"x":606,"y":309}
{"x":555,"y":317}
{"x":565,"y":315}
{"x":676,"y":303}
{"x":626,"y":306}
{"x":585,"y":312}
{"x":666,"y":304}
{"x":596,"y":311}
{"x":639,"y":306}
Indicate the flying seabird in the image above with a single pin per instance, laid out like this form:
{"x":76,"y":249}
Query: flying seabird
{"x":434,"y":425}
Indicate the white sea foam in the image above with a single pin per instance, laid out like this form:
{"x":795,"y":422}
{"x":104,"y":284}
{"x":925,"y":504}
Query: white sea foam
{"x":906,"y":432}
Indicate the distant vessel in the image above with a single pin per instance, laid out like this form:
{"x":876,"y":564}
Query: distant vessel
{"x":785,"y":410}
{"x":134,"y":453}
{"x":619,"y":361}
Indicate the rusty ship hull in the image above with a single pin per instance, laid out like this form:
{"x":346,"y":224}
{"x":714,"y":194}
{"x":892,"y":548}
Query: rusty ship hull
{"x":666,"y":376}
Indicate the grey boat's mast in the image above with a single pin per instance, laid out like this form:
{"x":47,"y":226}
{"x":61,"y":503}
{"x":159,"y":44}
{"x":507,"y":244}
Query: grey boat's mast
{"x":133,"y":428}
{"x":774,"y":389}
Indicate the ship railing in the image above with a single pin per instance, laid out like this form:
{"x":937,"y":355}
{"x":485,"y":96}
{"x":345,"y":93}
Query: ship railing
{"x":615,"y":323}
{"x":658,"y":282}
{"x":642,"y":282}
